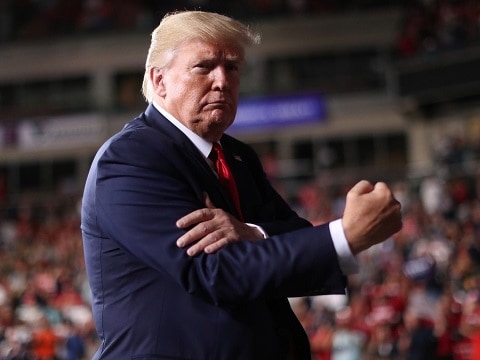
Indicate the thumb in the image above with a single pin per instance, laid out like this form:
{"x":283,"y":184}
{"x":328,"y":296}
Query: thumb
{"x":208,"y":202}
{"x":362,"y":187}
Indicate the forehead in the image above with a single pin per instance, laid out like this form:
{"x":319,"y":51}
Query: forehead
{"x":200,"y":49}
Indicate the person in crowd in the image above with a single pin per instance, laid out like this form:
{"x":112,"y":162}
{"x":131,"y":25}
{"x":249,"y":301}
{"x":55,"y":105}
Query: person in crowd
{"x":194,"y":256}
{"x":347,"y":342}
{"x":44,"y":341}
{"x":74,"y":342}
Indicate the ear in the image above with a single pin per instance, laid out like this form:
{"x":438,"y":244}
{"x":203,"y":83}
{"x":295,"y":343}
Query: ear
{"x":156,"y":78}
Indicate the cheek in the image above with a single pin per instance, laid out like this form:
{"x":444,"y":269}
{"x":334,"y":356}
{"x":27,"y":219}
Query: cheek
{"x":182,"y":96}
{"x":190,"y":91}
{"x":187,"y":105}
{"x":235,"y":83}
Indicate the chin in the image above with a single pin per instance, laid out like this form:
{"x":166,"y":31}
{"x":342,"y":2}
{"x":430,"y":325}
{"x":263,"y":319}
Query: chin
{"x":215,"y":131}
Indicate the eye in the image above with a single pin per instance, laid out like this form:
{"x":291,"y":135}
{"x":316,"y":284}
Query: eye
{"x":203,"y":67}
{"x":232,"y":67}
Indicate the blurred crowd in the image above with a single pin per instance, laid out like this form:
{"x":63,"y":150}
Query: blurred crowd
{"x":40,"y":19}
{"x":427,"y":25}
{"x":44,"y":296}
{"x":417,"y":295}
{"x":430,"y":26}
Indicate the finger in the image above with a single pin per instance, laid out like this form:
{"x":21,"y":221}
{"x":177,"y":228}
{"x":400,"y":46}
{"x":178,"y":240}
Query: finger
{"x":208,"y":241}
{"x":381,"y":186}
{"x":362,"y":187}
{"x":194,"y":234}
{"x":194,"y":217}
{"x":208,"y":202}
{"x":383,"y":189}
{"x":194,"y":250}
{"x":217,"y":245}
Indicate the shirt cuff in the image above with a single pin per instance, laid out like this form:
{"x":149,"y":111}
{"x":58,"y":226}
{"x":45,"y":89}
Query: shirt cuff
{"x":348,"y":262}
{"x":259,"y":228}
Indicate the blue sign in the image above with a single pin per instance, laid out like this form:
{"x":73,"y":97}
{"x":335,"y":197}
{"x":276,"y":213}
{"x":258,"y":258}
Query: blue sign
{"x":279,"y":111}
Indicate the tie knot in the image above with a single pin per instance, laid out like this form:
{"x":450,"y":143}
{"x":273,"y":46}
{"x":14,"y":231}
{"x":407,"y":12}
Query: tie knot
{"x":216,"y":153}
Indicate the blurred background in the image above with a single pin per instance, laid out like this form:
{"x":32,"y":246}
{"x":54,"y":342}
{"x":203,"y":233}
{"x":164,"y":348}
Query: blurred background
{"x":385,"y":90}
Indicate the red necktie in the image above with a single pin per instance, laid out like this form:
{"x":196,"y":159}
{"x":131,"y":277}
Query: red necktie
{"x":225,"y":176}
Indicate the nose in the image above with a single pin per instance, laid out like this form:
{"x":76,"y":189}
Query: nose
{"x":220,"y":78}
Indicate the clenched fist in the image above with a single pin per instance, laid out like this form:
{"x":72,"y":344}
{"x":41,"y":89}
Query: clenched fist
{"x":372,"y":214}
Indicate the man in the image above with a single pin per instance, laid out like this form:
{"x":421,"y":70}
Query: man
{"x":177,"y":269}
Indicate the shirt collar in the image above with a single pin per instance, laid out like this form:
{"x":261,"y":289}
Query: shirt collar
{"x":204,"y":146}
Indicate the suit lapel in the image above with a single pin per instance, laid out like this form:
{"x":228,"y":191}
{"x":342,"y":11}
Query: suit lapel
{"x":161,"y":124}
{"x":212,"y":186}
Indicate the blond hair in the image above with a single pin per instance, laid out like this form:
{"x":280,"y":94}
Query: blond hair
{"x":179,"y":27}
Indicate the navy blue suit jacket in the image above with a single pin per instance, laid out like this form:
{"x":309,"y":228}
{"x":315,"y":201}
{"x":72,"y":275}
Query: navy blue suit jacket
{"x":150,"y":299}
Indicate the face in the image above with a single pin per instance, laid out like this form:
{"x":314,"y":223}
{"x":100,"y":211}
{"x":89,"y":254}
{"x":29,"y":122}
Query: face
{"x":200,"y":87}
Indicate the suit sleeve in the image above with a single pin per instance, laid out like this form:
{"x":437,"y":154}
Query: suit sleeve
{"x":141,"y":192}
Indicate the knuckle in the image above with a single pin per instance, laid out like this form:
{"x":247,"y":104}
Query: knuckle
{"x":204,"y":228}
{"x":218,"y":213}
{"x":204,"y":212}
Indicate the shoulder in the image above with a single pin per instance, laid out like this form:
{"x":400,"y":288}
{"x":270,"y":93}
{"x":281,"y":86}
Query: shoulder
{"x":137,"y":142}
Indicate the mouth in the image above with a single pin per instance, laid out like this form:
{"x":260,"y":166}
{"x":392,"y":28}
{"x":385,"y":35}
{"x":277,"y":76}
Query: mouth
{"x":218,"y":105}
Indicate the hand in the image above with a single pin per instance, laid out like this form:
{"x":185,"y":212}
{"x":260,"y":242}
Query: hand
{"x":211,"y":229}
{"x":372,"y":214}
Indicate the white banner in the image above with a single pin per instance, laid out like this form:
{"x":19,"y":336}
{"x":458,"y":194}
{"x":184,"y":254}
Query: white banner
{"x":61,"y":132}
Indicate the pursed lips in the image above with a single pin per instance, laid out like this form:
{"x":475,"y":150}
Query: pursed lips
{"x":218,"y":104}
